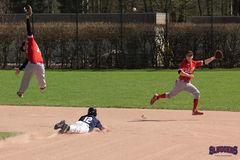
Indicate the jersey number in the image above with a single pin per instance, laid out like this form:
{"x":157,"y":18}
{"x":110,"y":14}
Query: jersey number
{"x":88,"y":119}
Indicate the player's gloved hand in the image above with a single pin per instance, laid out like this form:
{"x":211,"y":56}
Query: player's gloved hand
{"x":28,"y":11}
{"x":17,"y":71}
{"x":218,"y":54}
{"x":105,"y":130}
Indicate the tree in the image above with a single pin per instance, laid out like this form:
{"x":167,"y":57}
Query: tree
{"x":199,"y":8}
{"x":4,"y":7}
{"x":67,"y":6}
{"x":236,"y":7}
{"x":208,"y":7}
{"x":145,"y":6}
{"x":52,"y":6}
{"x":39,"y":6}
{"x":16,"y":6}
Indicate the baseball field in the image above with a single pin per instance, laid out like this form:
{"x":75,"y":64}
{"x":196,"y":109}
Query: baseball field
{"x":124,"y":89}
{"x":167,"y":131}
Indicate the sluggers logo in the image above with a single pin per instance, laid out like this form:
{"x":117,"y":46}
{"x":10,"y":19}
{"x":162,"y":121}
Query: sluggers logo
{"x":223,"y":149}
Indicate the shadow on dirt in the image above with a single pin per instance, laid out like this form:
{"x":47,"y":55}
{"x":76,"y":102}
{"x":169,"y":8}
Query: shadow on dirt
{"x":159,"y":120}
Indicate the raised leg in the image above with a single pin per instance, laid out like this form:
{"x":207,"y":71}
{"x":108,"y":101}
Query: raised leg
{"x":179,"y":86}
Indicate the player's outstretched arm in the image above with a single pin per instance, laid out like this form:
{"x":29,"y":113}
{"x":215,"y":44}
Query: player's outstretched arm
{"x":217,"y":55}
{"x":104,"y":129}
{"x":209,"y":60}
{"x":101,"y":127}
{"x":29,"y":29}
{"x":28,"y":11}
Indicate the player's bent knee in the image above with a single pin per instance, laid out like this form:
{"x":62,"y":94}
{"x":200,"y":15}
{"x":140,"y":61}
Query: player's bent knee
{"x":196,"y":95}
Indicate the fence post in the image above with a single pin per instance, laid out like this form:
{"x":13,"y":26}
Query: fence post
{"x":77,"y":39}
{"x":211,"y":30}
{"x":211,"y":26}
{"x":121,"y":32}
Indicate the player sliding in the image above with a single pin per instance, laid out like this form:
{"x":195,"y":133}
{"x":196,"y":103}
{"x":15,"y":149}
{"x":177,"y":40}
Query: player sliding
{"x":185,"y":71}
{"x":34,"y":62}
{"x":85,"y":124}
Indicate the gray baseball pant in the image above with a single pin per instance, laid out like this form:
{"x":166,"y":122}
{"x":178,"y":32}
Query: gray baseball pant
{"x":184,"y":86}
{"x":37,"y":69}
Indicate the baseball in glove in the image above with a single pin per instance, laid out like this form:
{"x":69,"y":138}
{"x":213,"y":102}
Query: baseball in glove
{"x":28,"y":10}
{"x":218,"y":54}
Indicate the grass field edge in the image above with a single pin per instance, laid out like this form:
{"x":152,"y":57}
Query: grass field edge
{"x":4,"y":135}
{"x":117,"y":107}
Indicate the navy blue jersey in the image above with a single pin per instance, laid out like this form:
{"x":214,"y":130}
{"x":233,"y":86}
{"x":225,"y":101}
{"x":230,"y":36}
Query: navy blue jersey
{"x":92,"y":121}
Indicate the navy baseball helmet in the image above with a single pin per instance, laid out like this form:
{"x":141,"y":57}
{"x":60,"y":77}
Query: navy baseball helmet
{"x":92,"y":111}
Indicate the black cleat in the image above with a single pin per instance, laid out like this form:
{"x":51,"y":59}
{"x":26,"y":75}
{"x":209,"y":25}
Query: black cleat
{"x":59,"y":125}
{"x":42,"y":89}
{"x":65,"y":128}
{"x":20,"y":94}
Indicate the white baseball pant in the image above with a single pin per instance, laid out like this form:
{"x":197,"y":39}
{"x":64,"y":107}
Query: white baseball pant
{"x":184,"y":86}
{"x":79,"y":127}
{"x":37,"y":69}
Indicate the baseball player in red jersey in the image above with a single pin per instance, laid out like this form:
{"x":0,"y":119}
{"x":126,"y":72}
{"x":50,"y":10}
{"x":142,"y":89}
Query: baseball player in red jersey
{"x":34,"y":61}
{"x":186,"y":70}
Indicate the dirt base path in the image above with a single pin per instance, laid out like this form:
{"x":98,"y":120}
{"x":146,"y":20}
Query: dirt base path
{"x":163,"y":135}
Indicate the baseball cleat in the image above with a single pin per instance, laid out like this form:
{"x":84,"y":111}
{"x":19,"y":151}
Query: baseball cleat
{"x":154,"y":99}
{"x":59,"y":125}
{"x":42,"y":89}
{"x":65,"y":128}
{"x":20,"y":94}
{"x":197,"y":113}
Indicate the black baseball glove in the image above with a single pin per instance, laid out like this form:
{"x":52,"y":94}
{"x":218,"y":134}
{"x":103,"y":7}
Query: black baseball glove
{"x":28,"y":10}
{"x":218,"y":54}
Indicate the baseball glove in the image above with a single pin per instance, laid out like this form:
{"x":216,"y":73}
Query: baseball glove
{"x":28,"y":10}
{"x":218,"y":54}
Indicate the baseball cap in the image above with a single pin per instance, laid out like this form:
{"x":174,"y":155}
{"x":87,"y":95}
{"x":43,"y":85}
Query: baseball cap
{"x":189,"y":53}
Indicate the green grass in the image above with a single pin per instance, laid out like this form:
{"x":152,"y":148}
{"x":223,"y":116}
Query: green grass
{"x":124,"y":88}
{"x":4,"y":135}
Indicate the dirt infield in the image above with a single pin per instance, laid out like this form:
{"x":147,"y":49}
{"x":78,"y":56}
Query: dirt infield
{"x":163,"y":135}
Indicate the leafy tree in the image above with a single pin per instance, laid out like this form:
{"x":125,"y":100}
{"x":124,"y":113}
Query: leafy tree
{"x":4,"y":7}
{"x":67,"y":6}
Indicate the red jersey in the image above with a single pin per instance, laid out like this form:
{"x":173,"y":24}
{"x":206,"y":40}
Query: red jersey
{"x":189,"y":68}
{"x":33,"y":51}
